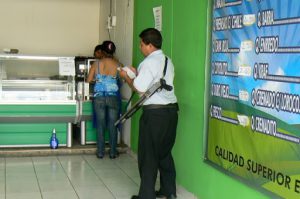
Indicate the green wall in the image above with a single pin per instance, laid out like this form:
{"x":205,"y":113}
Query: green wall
{"x":184,"y":32}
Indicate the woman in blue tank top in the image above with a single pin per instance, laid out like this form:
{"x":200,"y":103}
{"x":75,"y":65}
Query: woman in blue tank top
{"x":106,"y":96}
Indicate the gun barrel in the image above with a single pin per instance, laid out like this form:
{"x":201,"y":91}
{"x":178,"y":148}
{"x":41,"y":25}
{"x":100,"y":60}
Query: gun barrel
{"x":158,"y":85}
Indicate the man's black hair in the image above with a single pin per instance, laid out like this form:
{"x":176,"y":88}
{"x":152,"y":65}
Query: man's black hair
{"x":151,"y":36}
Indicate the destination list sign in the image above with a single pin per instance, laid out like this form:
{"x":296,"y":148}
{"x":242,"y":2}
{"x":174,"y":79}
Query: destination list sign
{"x":255,"y":93}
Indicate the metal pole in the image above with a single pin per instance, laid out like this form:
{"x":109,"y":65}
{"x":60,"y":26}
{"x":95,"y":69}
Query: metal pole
{"x":69,"y":135}
{"x":82,"y":132}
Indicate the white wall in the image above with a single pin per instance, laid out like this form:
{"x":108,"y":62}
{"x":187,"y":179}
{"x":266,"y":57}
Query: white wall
{"x":57,"y":27}
{"x":122,"y":33}
{"x":124,"y":40}
{"x":65,"y":27}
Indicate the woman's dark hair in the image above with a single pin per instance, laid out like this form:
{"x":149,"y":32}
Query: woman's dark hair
{"x":151,"y":36}
{"x":97,"y":48}
{"x":107,"y":46}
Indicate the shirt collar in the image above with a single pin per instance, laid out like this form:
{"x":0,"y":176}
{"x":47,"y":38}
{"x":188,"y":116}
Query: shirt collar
{"x":155,"y":52}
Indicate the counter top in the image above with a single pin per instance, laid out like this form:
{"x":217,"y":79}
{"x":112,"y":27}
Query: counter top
{"x":37,"y":102}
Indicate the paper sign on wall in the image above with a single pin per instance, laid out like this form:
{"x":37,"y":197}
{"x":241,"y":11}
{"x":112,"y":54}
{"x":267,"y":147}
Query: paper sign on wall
{"x":157,"y":12}
{"x":66,"y":66}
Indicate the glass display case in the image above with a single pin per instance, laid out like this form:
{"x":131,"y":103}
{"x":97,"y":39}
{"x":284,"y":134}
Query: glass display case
{"x":42,"y":93}
{"x":25,"y":78}
{"x":37,"y":95}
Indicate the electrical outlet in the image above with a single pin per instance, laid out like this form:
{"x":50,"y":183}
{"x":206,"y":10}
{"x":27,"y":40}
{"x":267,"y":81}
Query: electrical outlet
{"x":113,"y":21}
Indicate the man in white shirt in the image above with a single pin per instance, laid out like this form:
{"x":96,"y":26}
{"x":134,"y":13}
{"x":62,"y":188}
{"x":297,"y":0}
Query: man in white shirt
{"x":158,"y":123}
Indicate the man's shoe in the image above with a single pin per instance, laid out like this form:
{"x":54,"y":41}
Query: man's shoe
{"x":159,"y":194}
{"x":135,"y":197}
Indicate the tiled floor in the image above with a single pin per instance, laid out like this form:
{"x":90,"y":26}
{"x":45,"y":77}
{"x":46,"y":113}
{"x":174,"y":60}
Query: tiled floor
{"x":73,"y":176}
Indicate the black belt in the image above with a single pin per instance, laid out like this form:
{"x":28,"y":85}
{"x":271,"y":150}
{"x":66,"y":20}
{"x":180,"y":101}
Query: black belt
{"x":161,"y":106}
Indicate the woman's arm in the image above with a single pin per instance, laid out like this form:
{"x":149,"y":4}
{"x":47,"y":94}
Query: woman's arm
{"x":91,"y":74}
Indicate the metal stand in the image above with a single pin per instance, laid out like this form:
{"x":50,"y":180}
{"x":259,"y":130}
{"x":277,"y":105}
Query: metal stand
{"x":69,"y":135}
{"x":82,"y":132}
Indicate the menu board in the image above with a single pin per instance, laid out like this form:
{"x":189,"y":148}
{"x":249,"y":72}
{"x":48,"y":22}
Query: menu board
{"x":254,"y":100}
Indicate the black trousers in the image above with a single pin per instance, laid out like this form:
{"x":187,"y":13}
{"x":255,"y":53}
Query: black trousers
{"x":157,"y":135}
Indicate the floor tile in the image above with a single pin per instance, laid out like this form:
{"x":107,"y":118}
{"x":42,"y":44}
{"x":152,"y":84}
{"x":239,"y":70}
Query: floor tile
{"x":34,"y":195}
{"x":15,"y":161}
{"x":16,"y":177}
{"x":13,"y":170}
{"x":96,"y":192}
{"x":56,"y":186}
{"x":132,"y":172}
{"x":87,"y":183}
{"x":119,"y":190}
{"x":22,"y":187}
{"x":72,"y":177}
{"x":67,"y":194}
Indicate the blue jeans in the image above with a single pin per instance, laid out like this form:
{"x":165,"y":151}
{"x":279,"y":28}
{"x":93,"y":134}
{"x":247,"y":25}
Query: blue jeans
{"x":106,"y":109}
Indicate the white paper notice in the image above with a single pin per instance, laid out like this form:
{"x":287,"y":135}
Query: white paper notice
{"x":66,"y":66}
{"x":157,"y":12}
{"x":243,"y":95}
{"x":244,"y":71}
{"x":249,"y":19}
{"x":247,"y":45}
{"x":243,"y":120}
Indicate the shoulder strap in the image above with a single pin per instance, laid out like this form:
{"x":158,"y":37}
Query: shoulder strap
{"x":165,"y":68}
{"x":98,"y":67}
{"x":163,"y":83}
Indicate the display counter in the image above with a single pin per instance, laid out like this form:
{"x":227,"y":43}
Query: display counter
{"x":88,"y":131}
{"x":40,"y":93}
{"x":37,"y":94}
